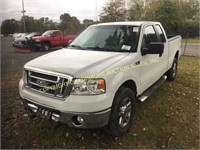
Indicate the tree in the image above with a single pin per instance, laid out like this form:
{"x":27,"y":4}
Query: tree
{"x":87,"y":22}
{"x":69,"y":25}
{"x":10,"y":26}
{"x":114,"y":11}
{"x":29,"y":22}
{"x":136,"y":10}
{"x":168,"y":14}
{"x":189,"y":11}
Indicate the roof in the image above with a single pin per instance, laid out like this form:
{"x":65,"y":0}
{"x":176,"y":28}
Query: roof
{"x":135,"y":23}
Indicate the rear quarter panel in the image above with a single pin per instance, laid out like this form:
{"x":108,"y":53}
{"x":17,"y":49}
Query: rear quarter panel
{"x":174,"y":45}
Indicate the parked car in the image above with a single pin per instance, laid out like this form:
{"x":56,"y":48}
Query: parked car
{"x":22,"y":40}
{"x":96,"y":80}
{"x":18,"y":35}
{"x":51,"y":38}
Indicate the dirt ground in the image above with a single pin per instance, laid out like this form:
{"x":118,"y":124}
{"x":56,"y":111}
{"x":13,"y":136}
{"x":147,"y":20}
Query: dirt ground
{"x":19,"y":131}
{"x":14,"y":122}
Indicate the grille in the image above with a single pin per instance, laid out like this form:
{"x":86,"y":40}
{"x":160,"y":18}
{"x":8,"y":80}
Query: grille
{"x":52,"y":85}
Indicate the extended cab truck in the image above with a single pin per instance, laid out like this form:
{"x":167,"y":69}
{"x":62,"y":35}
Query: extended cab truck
{"x":51,"y":38}
{"x":96,"y":80}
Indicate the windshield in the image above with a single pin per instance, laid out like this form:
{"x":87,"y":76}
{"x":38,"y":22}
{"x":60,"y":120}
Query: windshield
{"x":47,"y":33}
{"x":108,"y":38}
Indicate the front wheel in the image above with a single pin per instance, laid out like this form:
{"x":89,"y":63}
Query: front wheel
{"x":171,"y":74}
{"x":46,"y":46}
{"x":122,"y":112}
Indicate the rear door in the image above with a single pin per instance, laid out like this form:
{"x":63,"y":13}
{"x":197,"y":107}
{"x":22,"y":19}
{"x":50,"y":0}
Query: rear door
{"x":152,"y":65}
{"x":165,"y":56}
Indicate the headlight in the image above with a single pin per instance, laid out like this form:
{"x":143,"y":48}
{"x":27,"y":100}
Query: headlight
{"x":37,"y":40}
{"x":88,"y":87}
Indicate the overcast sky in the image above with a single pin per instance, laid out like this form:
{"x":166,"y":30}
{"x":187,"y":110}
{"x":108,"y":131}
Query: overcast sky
{"x":82,"y":9}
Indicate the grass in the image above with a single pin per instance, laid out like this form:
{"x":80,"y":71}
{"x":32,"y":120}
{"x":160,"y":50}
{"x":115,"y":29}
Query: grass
{"x":168,"y":119}
{"x":191,"y":40}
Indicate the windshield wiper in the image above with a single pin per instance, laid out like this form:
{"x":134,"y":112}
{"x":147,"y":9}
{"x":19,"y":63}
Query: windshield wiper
{"x":77,"y":46}
{"x":100,"y":48}
{"x":95,"y":47}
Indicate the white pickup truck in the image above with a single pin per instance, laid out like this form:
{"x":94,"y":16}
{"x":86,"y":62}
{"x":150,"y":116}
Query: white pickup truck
{"x":96,"y":80}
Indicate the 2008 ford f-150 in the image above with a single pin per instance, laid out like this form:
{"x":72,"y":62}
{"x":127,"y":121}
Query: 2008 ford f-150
{"x":96,"y":80}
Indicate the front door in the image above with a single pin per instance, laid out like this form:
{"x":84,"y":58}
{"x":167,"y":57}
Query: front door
{"x":56,"y":39}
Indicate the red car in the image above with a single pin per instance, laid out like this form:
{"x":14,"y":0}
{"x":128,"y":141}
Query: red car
{"x":51,"y":38}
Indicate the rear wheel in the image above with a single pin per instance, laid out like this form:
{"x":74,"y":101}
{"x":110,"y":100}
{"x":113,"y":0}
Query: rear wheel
{"x":122,"y":112}
{"x":46,"y":46}
{"x":171,"y":74}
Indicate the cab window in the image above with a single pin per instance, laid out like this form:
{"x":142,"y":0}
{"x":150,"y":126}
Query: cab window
{"x":149,"y":36}
{"x":57,"y":34}
{"x":160,"y":32}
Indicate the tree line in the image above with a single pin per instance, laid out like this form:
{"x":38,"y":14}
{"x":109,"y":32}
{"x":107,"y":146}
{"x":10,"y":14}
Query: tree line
{"x":177,"y":17}
{"x":70,"y":25}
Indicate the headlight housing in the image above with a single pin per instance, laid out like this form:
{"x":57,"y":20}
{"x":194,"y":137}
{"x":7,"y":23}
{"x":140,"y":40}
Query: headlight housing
{"x":37,"y":40}
{"x":25,"y":77}
{"x":88,"y":87}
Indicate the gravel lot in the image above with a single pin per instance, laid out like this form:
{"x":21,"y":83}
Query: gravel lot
{"x":16,"y":125}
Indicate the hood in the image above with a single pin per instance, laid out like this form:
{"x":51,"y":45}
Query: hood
{"x":40,"y":37}
{"x":20,"y":39}
{"x":78,"y":63}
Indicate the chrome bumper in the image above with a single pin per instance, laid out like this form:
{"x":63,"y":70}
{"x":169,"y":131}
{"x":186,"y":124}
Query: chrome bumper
{"x":72,"y":119}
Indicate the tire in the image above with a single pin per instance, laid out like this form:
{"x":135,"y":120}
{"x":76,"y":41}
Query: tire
{"x":121,"y":115}
{"x":65,"y":45}
{"x":46,"y":46}
{"x":33,"y":49}
{"x":171,"y":74}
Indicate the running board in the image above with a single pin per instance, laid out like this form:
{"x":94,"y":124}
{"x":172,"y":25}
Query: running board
{"x":152,"y":89}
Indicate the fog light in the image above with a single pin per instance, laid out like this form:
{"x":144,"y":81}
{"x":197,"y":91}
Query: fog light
{"x":80,"y":119}
{"x":77,"y":121}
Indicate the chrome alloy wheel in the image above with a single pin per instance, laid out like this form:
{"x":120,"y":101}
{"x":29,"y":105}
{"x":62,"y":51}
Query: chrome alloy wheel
{"x":125,"y":112}
{"x":174,"y":69}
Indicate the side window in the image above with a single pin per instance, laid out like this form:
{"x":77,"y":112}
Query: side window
{"x":57,"y":33}
{"x":149,"y":36}
{"x":160,"y":32}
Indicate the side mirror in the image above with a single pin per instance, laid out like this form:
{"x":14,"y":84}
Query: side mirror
{"x":154,"y":48}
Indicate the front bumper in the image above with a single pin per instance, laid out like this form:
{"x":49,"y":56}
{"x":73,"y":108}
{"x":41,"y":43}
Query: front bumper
{"x":20,"y":44}
{"x":72,"y":119}
{"x":36,"y":44}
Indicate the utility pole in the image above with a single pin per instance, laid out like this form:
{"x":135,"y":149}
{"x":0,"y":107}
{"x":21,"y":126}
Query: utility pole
{"x":23,"y":11}
{"x":95,"y":11}
{"x":126,"y":7}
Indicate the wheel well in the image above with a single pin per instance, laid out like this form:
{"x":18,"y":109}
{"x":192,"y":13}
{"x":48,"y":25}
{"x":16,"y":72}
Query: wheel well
{"x":47,"y":42}
{"x":131,"y":85}
{"x":177,"y":54}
